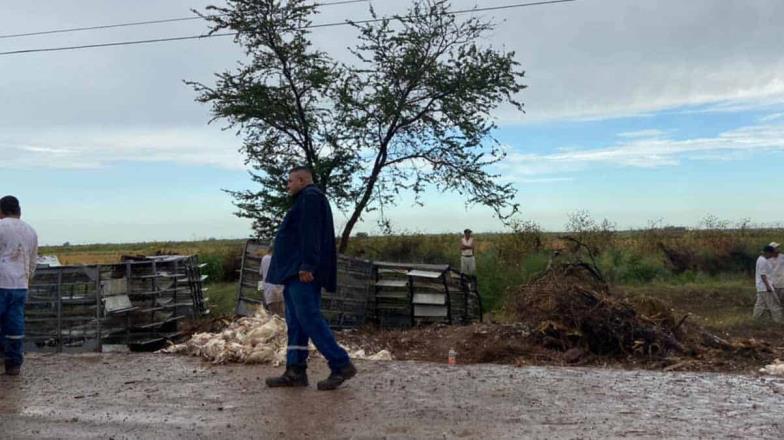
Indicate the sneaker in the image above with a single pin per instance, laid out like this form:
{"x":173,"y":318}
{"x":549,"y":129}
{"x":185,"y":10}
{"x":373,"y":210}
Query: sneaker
{"x":337,"y":378}
{"x":293,"y":377}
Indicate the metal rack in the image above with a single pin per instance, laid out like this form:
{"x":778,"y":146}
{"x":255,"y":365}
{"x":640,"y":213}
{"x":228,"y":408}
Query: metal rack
{"x":408,"y":294}
{"x":390,"y":294}
{"x":137,"y":302}
{"x":345,"y":308}
{"x":249,"y":296}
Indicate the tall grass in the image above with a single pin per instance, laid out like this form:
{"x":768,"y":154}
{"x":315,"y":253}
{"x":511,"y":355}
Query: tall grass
{"x":714,"y":250}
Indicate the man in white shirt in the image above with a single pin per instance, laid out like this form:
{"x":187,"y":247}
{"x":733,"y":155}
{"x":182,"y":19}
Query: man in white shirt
{"x":778,"y":272}
{"x":273,"y":293}
{"x":766,"y":295}
{"x":467,"y":259}
{"x":18,"y":254}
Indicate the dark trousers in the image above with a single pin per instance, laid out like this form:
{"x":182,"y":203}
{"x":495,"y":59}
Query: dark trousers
{"x":305,"y":322}
{"x":12,"y":303}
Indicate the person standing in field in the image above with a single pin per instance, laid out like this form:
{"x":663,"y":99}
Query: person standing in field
{"x":467,"y":259}
{"x":273,"y":293}
{"x":766,"y":295}
{"x":18,"y":255}
{"x":778,"y":272}
{"x":305,"y":261}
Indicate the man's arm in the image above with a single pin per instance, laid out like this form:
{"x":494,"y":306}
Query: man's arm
{"x":310,"y":223}
{"x":767,"y":283}
{"x":764,"y":269}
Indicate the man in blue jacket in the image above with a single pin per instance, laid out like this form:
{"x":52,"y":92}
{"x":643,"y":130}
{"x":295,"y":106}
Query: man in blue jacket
{"x":305,"y":261}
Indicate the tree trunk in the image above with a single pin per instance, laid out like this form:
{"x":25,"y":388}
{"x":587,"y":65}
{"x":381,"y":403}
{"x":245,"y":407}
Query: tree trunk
{"x":360,"y":206}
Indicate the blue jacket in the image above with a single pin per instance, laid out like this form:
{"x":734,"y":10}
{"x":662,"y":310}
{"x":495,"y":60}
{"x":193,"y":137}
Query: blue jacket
{"x":306,"y":241}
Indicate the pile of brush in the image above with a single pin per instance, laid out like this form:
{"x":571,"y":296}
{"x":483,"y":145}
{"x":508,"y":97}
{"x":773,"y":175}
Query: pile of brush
{"x":570,"y":306}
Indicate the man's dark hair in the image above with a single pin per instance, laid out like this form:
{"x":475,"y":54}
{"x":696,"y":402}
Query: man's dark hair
{"x":9,"y":205}
{"x":467,"y":231}
{"x":769,"y":249}
{"x":302,"y":168}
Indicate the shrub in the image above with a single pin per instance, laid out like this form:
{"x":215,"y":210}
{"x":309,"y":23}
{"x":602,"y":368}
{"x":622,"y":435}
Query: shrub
{"x":496,"y":276}
{"x":597,"y":236}
{"x":223,"y":264}
{"x":624,"y":266}
{"x":526,"y":238}
{"x":214,"y":267}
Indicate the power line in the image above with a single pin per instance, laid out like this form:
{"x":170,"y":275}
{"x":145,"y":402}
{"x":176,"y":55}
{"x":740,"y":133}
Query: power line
{"x":142,"y":23}
{"x":225,"y":34}
{"x":118,"y":43}
{"x":107,"y":26}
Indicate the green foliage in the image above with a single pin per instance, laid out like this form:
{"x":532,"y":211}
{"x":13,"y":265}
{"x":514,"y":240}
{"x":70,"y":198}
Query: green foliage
{"x":223,"y":265}
{"x":624,"y":267}
{"x":413,"y":248}
{"x":223,"y":298}
{"x":495,"y":276}
{"x":720,"y":303}
{"x":634,"y":258}
{"x":411,"y":113}
{"x":595,"y":235}
{"x":526,"y":238}
{"x":710,"y":257}
{"x":715,"y":246}
{"x":213,"y":268}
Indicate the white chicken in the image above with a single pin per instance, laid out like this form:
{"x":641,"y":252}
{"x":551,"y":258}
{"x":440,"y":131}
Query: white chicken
{"x":260,"y":339}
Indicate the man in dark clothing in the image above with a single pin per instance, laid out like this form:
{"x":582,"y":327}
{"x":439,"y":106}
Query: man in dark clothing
{"x":305,"y":261}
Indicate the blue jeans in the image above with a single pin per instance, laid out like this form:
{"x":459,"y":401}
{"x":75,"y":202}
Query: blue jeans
{"x":304,"y":321}
{"x":12,"y":303}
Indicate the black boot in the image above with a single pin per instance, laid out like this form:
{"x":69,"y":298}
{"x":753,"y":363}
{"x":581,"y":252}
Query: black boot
{"x":336,"y":379}
{"x":12,"y":370}
{"x":294,"y":376}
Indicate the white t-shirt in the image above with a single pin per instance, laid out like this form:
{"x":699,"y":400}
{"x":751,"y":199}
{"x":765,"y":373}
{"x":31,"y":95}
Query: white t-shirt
{"x":468,"y":242}
{"x":272,"y":292}
{"x":764,"y":267}
{"x":778,"y":270}
{"x":18,"y":253}
{"x":265,"y":264}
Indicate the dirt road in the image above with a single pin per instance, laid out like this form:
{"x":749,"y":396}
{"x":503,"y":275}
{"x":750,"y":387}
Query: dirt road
{"x":148,"y":396}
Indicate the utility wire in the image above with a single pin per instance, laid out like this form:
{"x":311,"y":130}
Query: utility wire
{"x":226,"y":34}
{"x":142,"y":23}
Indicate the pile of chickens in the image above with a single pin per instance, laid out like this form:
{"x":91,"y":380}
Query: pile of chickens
{"x":258,"y":339}
{"x":776,"y":368}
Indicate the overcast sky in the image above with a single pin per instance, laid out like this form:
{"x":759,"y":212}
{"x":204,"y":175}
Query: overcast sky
{"x":635,"y":110}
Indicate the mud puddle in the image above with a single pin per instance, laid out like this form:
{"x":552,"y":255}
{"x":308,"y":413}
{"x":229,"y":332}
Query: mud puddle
{"x":149,"y":396}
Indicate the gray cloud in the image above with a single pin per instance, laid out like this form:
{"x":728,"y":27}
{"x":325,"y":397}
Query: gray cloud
{"x":619,"y":57}
{"x":585,"y":59}
{"x":591,"y":59}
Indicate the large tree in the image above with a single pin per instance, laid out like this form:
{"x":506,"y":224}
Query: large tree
{"x":412,"y":112}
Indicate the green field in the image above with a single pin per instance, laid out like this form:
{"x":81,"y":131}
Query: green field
{"x":704,"y":271}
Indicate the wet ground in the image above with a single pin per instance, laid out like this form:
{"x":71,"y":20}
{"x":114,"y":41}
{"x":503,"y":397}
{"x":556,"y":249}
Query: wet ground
{"x":149,"y":396}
